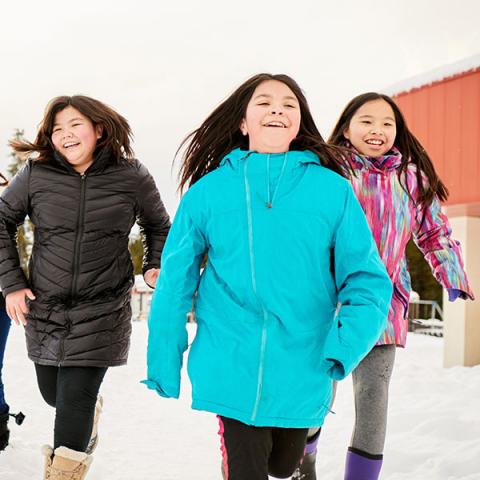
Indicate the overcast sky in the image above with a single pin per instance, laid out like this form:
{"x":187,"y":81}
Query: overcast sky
{"x":165,"y":67}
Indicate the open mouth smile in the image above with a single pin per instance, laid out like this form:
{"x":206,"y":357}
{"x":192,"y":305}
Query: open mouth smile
{"x":375,"y":142}
{"x":275,"y":124}
{"x":70,"y":144}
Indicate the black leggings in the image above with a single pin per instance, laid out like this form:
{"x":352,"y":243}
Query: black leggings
{"x":253,"y":453}
{"x":73,"y":392}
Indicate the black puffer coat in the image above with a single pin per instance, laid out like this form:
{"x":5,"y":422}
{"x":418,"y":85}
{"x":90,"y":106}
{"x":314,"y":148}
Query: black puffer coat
{"x":80,"y":270}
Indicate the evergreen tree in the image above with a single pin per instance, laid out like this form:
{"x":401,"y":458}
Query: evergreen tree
{"x":25,"y":231}
{"x":136,"y":252}
{"x":423,"y":282}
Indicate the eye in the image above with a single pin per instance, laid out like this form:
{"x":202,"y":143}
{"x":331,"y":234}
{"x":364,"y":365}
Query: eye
{"x":366,"y":122}
{"x":388,"y":124}
{"x":55,"y":130}
{"x":75,"y":124}
{"x":262,"y":104}
{"x":289,"y":105}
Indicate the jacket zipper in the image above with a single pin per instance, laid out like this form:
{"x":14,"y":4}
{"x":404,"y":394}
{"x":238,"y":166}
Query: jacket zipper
{"x":76,"y":261}
{"x":78,"y":237}
{"x":263,"y":341}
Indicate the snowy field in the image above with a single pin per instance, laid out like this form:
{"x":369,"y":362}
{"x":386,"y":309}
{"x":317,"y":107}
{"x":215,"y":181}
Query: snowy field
{"x":434,"y":427}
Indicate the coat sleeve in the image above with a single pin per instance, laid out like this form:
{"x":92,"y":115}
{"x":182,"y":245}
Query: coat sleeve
{"x":172,"y":300}
{"x":364,"y":292}
{"x":433,"y":236}
{"x":152,"y":219}
{"x":14,"y":206}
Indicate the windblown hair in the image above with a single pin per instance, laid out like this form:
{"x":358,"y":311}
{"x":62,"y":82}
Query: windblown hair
{"x":116,"y":132}
{"x":411,"y":149}
{"x":220,"y":133}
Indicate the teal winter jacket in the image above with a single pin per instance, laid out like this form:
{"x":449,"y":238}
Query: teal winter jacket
{"x":293,"y":295}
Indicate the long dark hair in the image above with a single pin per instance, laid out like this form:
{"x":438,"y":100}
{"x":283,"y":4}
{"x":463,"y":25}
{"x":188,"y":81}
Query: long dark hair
{"x":220,"y":133}
{"x":116,"y":132}
{"x":408,"y":145}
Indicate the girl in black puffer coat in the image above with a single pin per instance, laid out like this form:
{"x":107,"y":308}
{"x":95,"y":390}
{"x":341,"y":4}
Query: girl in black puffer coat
{"x":83,"y":193}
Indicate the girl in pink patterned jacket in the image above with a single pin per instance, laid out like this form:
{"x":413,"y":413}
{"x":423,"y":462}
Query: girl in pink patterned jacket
{"x":400,"y":192}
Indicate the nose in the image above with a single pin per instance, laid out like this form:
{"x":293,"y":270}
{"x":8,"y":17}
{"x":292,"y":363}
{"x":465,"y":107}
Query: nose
{"x":276,"y":110}
{"x":376,"y":130}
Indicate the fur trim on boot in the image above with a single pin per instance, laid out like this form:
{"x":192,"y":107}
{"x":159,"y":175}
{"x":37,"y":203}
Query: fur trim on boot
{"x":69,"y":464}
{"x":47,"y":452}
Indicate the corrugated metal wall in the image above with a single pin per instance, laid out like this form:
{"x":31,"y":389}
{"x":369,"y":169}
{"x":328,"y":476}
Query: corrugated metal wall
{"x":445,"y":117}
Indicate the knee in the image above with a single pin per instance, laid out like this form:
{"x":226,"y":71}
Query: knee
{"x":279,"y":471}
{"x":49,"y":397}
{"x":76,"y":397}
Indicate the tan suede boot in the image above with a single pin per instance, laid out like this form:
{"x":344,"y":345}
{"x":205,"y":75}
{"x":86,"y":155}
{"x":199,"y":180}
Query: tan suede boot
{"x":93,"y":442}
{"x":47,"y":452}
{"x":69,"y":464}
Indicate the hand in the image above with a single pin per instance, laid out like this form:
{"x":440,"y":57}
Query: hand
{"x":150,"y":276}
{"x":16,"y":306}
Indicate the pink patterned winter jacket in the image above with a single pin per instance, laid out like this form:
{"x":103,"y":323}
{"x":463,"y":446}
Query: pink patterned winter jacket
{"x":394,"y":218}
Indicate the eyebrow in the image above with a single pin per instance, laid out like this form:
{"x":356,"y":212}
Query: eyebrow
{"x":76,"y":119}
{"x":288,"y":97}
{"x":371,"y":116}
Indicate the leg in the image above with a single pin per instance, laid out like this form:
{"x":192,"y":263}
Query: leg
{"x":245,"y":450}
{"x":287,"y":451}
{"x":306,"y":469}
{"x":77,"y":392}
{"x":4,"y":409}
{"x":47,"y":383}
{"x":371,"y":380}
{"x":4,"y":329}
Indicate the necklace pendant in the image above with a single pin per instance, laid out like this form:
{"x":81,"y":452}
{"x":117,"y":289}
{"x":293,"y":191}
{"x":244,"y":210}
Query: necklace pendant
{"x":269,"y":205}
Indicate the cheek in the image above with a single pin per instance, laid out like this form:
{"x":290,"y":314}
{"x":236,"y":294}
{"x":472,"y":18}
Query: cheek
{"x":56,"y":142}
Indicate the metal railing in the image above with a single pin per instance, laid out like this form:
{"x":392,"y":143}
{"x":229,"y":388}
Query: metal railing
{"x":426,"y":317}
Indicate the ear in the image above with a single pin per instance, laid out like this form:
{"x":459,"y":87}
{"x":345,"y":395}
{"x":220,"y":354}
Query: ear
{"x":346,"y":133}
{"x":243,"y":127}
{"x":99,"y":130}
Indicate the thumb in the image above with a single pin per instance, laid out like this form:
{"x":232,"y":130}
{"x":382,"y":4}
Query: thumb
{"x":30,"y":294}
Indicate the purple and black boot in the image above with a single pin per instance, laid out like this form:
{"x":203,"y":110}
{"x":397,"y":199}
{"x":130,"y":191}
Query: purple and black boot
{"x":362,"y":465}
{"x":306,"y":469}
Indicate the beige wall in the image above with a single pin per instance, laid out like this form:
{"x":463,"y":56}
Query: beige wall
{"x":462,"y":319}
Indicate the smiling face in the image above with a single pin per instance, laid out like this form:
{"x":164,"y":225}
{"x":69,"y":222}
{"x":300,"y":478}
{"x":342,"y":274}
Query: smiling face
{"x":372,"y":129}
{"x":75,"y":137}
{"x":272,"y":119}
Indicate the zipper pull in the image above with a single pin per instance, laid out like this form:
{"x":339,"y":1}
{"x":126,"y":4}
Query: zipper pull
{"x":269,"y":205}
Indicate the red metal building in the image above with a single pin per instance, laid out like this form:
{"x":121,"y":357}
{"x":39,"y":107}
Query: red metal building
{"x":445,"y":117}
{"x":442,"y":109}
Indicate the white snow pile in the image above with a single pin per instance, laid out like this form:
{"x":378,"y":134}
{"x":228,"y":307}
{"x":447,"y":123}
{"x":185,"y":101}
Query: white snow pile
{"x":436,"y":75}
{"x":433,"y":434}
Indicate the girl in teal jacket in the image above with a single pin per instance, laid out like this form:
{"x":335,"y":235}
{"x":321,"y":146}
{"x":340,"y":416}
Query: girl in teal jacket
{"x":293,"y":293}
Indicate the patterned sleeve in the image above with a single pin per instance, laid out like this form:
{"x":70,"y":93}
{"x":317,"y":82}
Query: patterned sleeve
{"x":432,"y":234}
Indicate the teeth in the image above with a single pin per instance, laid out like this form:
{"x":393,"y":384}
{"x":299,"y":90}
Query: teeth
{"x":69,"y":144}
{"x":275,"y":124}
{"x":374,"y":142}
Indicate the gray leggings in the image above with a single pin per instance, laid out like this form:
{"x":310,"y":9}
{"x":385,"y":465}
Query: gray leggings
{"x":371,"y":380}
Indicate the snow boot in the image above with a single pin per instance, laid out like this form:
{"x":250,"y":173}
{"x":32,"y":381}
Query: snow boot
{"x":66,"y":464}
{"x":47,"y":452}
{"x":93,"y":442}
{"x":4,"y":431}
{"x":362,"y":466}
{"x":306,"y":468}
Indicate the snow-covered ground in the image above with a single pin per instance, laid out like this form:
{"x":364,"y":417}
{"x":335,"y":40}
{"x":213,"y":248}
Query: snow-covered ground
{"x":434,"y":428}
